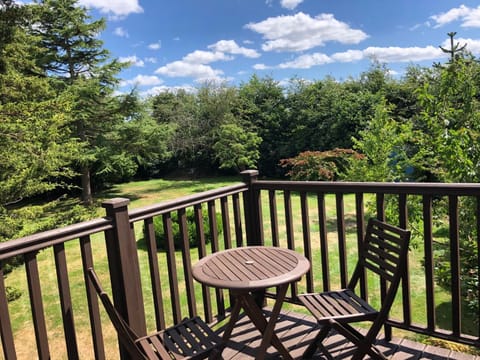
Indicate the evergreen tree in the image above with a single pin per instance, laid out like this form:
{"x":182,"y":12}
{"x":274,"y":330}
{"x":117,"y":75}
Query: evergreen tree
{"x":76,"y":59}
{"x":35,"y":141}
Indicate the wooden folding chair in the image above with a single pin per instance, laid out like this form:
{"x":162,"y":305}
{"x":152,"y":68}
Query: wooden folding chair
{"x":190,"y":339}
{"x":383,"y":254}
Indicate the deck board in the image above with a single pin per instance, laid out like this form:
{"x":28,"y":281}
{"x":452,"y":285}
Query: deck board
{"x":296,"y":331}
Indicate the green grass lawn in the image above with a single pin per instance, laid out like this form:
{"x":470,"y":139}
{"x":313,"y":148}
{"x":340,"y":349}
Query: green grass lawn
{"x":145,"y":193}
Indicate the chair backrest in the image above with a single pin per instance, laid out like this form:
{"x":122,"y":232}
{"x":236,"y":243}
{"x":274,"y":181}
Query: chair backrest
{"x":384,"y":251}
{"x":125,"y":333}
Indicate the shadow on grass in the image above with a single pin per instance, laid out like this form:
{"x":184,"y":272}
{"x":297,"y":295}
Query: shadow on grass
{"x":349,"y":220}
{"x":195,"y":186}
{"x":443,"y":314}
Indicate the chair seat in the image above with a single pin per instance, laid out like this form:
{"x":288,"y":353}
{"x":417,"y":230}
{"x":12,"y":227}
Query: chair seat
{"x":191,"y":339}
{"x":343,"y":305}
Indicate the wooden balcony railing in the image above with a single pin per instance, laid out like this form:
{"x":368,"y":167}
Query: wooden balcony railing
{"x":153,"y":289}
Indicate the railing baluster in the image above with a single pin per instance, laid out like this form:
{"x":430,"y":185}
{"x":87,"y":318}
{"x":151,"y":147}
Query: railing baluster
{"x":342,"y":240}
{"x":477,"y":218}
{"x":380,"y":205}
{"x":307,"y":242}
{"x":380,"y":208}
{"x":155,"y":279}
{"x":272,"y":201}
{"x":287,"y":198}
{"x":429,"y":266}
{"x":172,"y":268}
{"x":227,"y":236}
{"x":455,"y":264}
{"x":202,"y":252}
{"x":186,"y":261}
{"x":92,"y":299}
{"x":403,"y":223}
{"x":65,"y":301}
{"x":212,"y":221}
{"x":237,"y":219}
{"x":360,"y":217}
{"x":36,"y":302}
{"x":322,"y":228}
{"x":6,"y":333}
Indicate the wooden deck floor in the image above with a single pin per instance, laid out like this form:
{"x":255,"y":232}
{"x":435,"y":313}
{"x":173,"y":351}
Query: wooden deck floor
{"x":296,"y":330}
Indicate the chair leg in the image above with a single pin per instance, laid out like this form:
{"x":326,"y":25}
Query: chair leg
{"x":364,"y":345}
{"x":317,"y":343}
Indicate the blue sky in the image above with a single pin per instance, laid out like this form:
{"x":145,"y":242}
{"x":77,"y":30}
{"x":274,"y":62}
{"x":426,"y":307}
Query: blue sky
{"x":183,"y":43}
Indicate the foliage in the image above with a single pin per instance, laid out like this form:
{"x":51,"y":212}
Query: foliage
{"x":197,"y":122}
{"x":384,"y":144}
{"x":138,"y":142}
{"x":326,"y":114}
{"x":35,"y":141}
{"x":262,"y":109}
{"x":451,"y":119}
{"x":74,"y":58}
{"x":191,"y":229}
{"x":236,"y":148}
{"x":318,"y":165}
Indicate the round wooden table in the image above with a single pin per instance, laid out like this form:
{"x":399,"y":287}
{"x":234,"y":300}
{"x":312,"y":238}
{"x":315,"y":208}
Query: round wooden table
{"x":247,"y":269}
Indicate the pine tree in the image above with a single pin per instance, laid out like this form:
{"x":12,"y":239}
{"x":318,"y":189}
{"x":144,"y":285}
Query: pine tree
{"x":76,"y":59}
{"x":35,"y":140}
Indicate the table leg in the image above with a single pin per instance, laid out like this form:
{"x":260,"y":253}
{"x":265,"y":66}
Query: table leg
{"x":267,"y":329}
{"x":216,"y":354}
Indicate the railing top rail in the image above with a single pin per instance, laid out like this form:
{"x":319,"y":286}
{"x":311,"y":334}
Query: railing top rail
{"x":185,"y":201}
{"x":413,"y":188}
{"x":49,"y":238}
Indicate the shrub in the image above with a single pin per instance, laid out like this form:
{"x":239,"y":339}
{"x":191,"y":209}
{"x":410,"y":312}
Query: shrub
{"x":318,"y":165}
{"x":191,"y":229}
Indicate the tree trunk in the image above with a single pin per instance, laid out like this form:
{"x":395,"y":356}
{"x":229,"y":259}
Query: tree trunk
{"x":86,"y":186}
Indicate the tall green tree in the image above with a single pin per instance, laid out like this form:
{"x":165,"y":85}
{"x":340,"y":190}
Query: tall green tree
{"x":262,"y":108}
{"x":237,"y":148}
{"x":324,"y":115}
{"x":35,"y":140}
{"x":75,"y":57}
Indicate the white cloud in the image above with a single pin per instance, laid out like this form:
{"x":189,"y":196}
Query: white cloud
{"x":470,"y":17}
{"x":290,"y":4}
{"x":133,"y":60}
{"x":119,"y":31}
{"x":118,"y":8}
{"x":399,"y":54}
{"x":261,"y":67}
{"x":199,"y":72}
{"x":195,"y":65}
{"x":348,"y":56}
{"x":155,"y":46}
{"x":306,"y":61}
{"x":151,"y":60}
{"x":383,"y":54}
{"x":143,"y":80}
{"x":231,"y":47}
{"x":205,"y":57}
{"x":301,"y":32}
{"x":161,"y":89}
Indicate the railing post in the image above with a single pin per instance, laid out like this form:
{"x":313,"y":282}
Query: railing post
{"x":252,"y":206}
{"x":124,"y":267}
{"x":253,"y":209}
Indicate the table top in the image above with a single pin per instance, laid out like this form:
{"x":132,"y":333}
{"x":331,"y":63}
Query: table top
{"x":252,"y":267}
